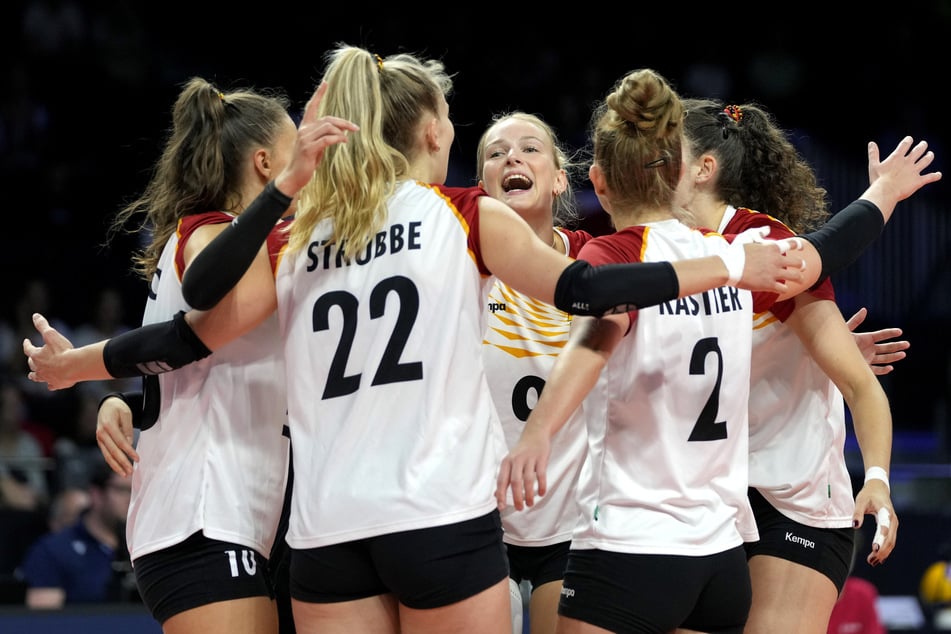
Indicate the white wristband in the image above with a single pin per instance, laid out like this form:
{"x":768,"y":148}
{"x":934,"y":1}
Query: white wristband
{"x":877,"y":473}
{"x":734,"y":258}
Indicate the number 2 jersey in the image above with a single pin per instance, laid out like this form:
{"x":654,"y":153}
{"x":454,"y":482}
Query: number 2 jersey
{"x":667,"y":419}
{"x":390,"y":414}
{"x":522,"y":340}
{"x":216,"y":458}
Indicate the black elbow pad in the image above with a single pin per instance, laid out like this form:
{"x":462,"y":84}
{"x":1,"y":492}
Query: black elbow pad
{"x":594,"y":291}
{"x":154,"y":349}
{"x":842,"y":239}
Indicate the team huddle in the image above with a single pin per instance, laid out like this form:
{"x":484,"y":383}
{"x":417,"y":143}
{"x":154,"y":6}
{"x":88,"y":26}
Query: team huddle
{"x":464,"y":393}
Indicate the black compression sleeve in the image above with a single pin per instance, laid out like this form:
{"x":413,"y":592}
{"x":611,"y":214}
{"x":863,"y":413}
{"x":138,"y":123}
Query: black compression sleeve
{"x":217,"y":269}
{"x":842,"y":239}
{"x":153,"y":349}
{"x":583,"y":289}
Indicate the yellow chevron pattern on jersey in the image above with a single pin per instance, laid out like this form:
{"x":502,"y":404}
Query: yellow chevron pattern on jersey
{"x":764,"y":319}
{"x":526,"y":327}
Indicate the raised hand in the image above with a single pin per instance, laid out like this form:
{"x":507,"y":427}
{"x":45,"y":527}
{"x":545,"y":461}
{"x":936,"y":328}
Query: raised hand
{"x":900,"y":175}
{"x":878,"y":353}
{"x":46,"y":362}
{"x":314,"y":135}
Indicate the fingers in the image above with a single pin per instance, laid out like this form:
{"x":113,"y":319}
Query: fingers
{"x":856,"y":320}
{"x":884,"y":540}
{"x":310,"y":110}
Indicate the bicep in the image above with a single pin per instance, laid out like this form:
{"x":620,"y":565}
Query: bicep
{"x":518,"y":257}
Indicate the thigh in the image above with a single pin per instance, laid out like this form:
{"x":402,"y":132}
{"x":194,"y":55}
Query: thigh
{"x":775,"y":580}
{"x":252,"y":615}
{"x":200,"y":572}
{"x":379,"y":613}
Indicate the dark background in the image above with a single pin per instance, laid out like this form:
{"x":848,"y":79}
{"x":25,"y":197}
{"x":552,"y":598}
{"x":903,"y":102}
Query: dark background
{"x":85,"y":101}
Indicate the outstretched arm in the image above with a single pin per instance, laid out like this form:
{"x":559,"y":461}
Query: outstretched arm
{"x":513,"y":252}
{"x":849,"y":232}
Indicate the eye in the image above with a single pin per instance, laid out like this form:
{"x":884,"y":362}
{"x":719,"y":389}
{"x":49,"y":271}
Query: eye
{"x":495,"y":154}
{"x":531,"y":148}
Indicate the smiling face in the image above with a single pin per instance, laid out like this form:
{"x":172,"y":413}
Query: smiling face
{"x":519,"y":166}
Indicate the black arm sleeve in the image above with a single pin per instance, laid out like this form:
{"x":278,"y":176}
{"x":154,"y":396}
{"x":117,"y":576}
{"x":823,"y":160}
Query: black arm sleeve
{"x":153,"y":349}
{"x":220,"y":265}
{"x":842,"y":239}
{"x":589,"y":290}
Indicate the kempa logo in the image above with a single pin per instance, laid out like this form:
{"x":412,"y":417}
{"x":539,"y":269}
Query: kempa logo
{"x":802,"y":541}
{"x":567,"y":592}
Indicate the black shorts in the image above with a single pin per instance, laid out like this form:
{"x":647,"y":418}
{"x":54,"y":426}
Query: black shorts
{"x":827,"y":550}
{"x":538,"y":564}
{"x":425,"y":568}
{"x":623,"y":592}
{"x":199,"y":571}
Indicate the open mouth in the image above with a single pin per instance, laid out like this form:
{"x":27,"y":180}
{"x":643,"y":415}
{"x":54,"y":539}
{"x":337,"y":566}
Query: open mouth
{"x":516,"y":182}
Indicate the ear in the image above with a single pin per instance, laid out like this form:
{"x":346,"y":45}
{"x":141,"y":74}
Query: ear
{"x":561,"y":183}
{"x":596,"y":176}
{"x":705,"y":168}
{"x":262,"y":163}
{"x":432,"y":135}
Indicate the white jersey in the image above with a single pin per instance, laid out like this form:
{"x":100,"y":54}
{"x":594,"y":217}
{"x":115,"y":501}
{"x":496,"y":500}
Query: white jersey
{"x":522,"y":340}
{"x":216,"y":459}
{"x":797,"y":415}
{"x":667,"y":420}
{"x":392,"y":421}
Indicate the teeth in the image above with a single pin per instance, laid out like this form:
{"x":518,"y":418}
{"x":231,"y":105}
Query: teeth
{"x":513,"y":181}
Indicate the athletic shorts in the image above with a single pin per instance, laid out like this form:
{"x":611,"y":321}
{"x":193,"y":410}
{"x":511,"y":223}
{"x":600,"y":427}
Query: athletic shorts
{"x":538,"y":564}
{"x":423,"y":569}
{"x":623,"y":592}
{"x":199,"y":571}
{"x":828,"y":550}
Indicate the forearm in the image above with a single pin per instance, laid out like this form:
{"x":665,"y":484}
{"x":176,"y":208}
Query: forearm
{"x":583,"y":289}
{"x":576,"y":370}
{"x":83,"y":364}
{"x":872,"y":420}
{"x":700,"y":274}
{"x":153,"y":349}
{"x":846,"y":235}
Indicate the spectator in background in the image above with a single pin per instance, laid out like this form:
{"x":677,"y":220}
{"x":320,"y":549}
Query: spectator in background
{"x":107,"y":321}
{"x":75,"y":564}
{"x":76,"y":451}
{"x":23,"y":479}
{"x":67,"y":506}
